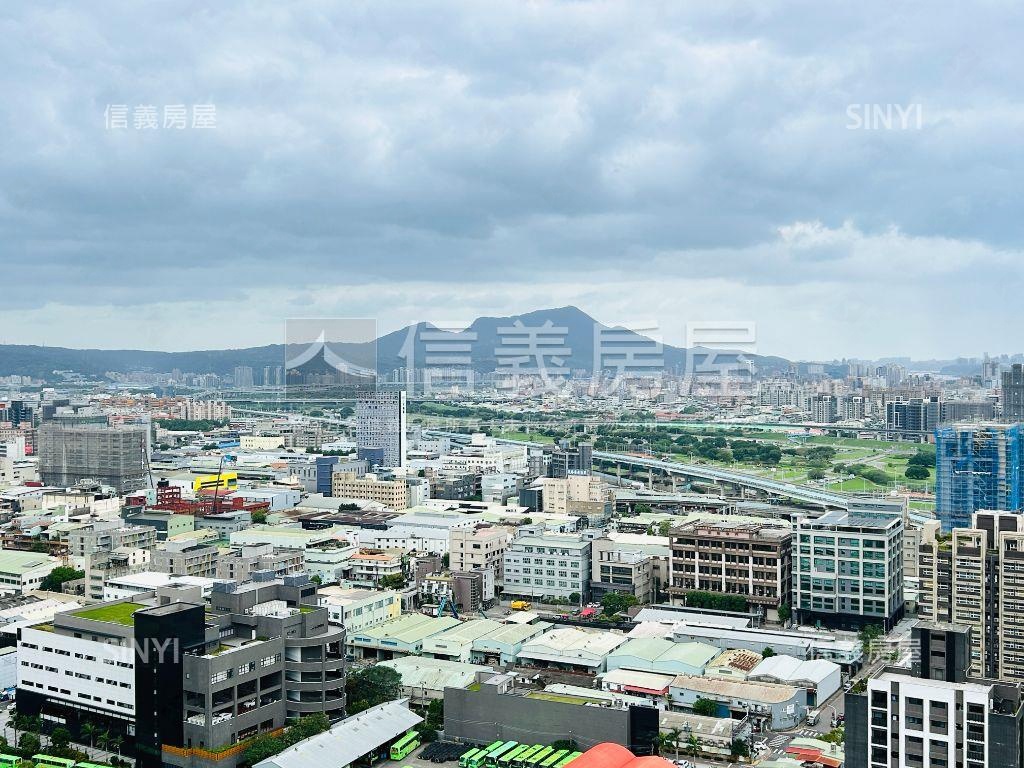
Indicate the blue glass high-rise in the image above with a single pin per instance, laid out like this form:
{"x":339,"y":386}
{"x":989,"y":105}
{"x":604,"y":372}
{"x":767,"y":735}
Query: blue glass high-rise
{"x":977,"y":466}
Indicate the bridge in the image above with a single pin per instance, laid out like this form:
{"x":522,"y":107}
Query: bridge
{"x":775,"y":488}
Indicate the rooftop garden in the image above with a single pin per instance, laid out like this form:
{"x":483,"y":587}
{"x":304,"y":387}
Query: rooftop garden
{"x":118,"y":613}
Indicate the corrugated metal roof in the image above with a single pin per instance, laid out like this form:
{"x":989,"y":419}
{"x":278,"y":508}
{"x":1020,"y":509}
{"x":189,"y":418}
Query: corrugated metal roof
{"x":350,"y":739}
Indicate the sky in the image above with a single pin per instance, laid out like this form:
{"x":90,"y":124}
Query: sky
{"x":188,"y":175}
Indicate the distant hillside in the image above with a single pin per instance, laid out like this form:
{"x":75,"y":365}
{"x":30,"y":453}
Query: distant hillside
{"x":393,"y":350}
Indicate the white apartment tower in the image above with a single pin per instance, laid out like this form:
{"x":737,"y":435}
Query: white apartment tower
{"x":380,"y":428}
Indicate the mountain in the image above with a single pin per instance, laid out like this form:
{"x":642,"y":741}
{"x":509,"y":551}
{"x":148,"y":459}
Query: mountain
{"x":568,"y":334}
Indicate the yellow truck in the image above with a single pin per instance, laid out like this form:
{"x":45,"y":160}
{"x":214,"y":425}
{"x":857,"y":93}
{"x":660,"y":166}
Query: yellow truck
{"x":520,"y":605}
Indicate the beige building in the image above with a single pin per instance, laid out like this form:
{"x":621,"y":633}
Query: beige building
{"x":560,"y":491}
{"x":394,"y":494}
{"x":748,"y":558}
{"x":975,"y":577}
{"x":481,"y":547}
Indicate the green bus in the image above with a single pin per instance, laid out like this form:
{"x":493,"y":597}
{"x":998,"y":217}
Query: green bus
{"x":405,"y":745}
{"x":552,"y":760}
{"x":465,"y":757}
{"x":530,"y":752}
{"x":506,"y":760}
{"x":9,"y":761}
{"x":49,"y":761}
{"x":568,"y":759}
{"x":539,"y":757}
{"x":480,"y":758}
{"x":502,"y":749}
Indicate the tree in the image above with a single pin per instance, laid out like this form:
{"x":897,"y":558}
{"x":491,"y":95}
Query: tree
{"x":816,"y":474}
{"x":372,"y":686}
{"x":616,"y":602}
{"x":263,"y":747}
{"x":705,"y":707}
{"x":835,"y":736}
{"x":868,"y":635}
{"x":29,"y":744}
{"x":642,"y":509}
{"x":60,"y":739}
{"x":89,"y":731}
{"x":259,"y":517}
{"x":917,"y":472}
{"x":693,"y":744}
{"x":574,"y":597}
{"x":315,"y":578}
{"x":435,"y":714}
{"x":527,"y":521}
{"x":446,"y":560}
{"x":393,"y":581}
{"x":664,"y":527}
{"x":674,"y":735}
{"x":427,"y":734}
{"x":56,"y":578}
{"x":739,"y":748}
{"x":784,"y":612}
{"x":767,"y":653}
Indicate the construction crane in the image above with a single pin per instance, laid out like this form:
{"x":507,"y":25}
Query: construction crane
{"x":446,"y":603}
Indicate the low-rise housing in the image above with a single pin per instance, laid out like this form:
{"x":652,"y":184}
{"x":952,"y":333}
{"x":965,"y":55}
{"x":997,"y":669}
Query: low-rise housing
{"x":570,"y":648}
{"x":778,"y":706}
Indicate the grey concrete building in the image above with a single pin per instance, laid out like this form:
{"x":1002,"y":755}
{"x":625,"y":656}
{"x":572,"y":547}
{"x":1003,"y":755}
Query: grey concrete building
{"x":496,"y":709}
{"x":179,"y":679}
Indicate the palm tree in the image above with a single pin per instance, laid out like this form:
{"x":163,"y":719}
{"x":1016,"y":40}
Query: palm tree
{"x":663,"y":743}
{"x":117,"y":743}
{"x":674,"y":735}
{"x":89,"y":730}
{"x":103,"y":740}
{"x":693,"y":744}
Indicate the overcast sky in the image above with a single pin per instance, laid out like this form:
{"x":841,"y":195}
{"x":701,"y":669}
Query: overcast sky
{"x":678,"y":161}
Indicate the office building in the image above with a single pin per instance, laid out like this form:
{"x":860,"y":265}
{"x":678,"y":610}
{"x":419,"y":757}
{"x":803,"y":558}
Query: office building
{"x":114,"y":456}
{"x":748,"y":558}
{"x":540,"y":565}
{"x":380,"y":428}
{"x":242,"y":563}
{"x":848,"y":569}
{"x":1013,"y":394}
{"x":182,"y":681}
{"x":934,"y":715}
{"x":186,"y":558}
{"x":977,"y":466}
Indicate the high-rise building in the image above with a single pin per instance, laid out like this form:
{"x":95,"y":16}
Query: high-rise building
{"x":243,"y":377}
{"x":1013,"y":393}
{"x":912,"y":419}
{"x":111,"y":455}
{"x":824,"y":409}
{"x":977,"y":466}
{"x":380,"y":428}
{"x":848,"y":569}
{"x":934,"y":715}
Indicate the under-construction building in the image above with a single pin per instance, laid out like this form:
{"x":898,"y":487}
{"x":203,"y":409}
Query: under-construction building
{"x":112,"y":455}
{"x":977,"y":466}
